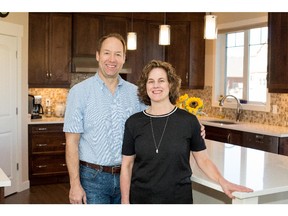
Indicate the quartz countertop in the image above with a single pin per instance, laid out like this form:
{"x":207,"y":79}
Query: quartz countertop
{"x":46,"y":120}
{"x":264,"y":172}
{"x":248,"y":127}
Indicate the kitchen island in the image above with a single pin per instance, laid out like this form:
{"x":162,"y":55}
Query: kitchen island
{"x":4,"y":182}
{"x":266,"y":173}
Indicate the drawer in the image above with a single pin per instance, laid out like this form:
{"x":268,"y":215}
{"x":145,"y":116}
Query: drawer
{"x":48,"y":142}
{"x":48,"y":164}
{"x":46,"y":128}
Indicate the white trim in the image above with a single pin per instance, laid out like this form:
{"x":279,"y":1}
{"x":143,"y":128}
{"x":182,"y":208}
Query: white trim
{"x":16,"y":30}
{"x":242,"y":23}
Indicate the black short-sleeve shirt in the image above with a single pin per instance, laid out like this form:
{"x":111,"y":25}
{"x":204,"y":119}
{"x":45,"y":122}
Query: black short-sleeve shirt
{"x":162,"y":177}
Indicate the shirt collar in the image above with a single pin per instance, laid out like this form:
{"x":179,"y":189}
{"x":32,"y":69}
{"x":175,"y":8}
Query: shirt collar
{"x":102,"y":83}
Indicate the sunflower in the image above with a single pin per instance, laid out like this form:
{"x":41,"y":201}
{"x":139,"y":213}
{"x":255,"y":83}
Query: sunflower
{"x":193,"y":105}
{"x":181,"y":101}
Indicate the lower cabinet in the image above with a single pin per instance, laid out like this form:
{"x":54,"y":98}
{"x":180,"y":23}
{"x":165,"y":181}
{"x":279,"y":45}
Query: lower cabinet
{"x":224,"y":135}
{"x":47,"y":162}
{"x":249,"y":140}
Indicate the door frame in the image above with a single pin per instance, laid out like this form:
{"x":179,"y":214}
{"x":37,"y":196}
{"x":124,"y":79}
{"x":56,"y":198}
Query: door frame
{"x":21,"y":154}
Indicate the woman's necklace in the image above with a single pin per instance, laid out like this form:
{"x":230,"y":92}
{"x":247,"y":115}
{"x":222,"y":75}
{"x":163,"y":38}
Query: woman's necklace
{"x":158,"y":146}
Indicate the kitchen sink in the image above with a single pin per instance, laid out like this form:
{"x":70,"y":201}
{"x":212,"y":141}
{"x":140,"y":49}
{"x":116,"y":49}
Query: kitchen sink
{"x":222,"y":122}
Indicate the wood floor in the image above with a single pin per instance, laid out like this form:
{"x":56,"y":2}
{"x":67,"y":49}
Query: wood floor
{"x":41,"y":194}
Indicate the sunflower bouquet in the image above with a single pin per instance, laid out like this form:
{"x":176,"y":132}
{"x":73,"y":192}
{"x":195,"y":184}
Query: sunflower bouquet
{"x":193,"y":105}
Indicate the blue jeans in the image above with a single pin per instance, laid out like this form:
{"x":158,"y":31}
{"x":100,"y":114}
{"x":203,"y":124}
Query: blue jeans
{"x":100,"y":187}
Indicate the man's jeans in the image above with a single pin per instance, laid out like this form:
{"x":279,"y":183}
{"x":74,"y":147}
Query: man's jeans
{"x":100,"y":187}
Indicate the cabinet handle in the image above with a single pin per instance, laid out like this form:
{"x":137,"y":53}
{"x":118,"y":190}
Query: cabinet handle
{"x":63,"y":165}
{"x":50,"y":75}
{"x":228,"y":137}
{"x":42,"y":129}
{"x":259,"y":138}
{"x":41,"y":166}
{"x":41,"y":144}
{"x":47,"y":74}
{"x":63,"y":144}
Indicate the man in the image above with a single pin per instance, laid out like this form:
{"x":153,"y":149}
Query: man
{"x":96,"y":111}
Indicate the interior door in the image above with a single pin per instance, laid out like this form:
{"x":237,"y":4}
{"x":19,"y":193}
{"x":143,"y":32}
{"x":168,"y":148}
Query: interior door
{"x":8,"y":106}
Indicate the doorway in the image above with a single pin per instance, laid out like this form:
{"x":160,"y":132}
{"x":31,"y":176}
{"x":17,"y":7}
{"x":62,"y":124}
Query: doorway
{"x":8,"y":110}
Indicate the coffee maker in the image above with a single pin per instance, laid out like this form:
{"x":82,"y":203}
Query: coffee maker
{"x":35,"y":108}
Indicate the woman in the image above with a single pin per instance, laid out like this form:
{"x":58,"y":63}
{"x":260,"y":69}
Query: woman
{"x":159,"y":142}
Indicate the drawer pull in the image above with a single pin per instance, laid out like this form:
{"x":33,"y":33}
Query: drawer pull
{"x":63,"y":144}
{"x":41,"y":145}
{"x":41,"y":166}
{"x":63,"y":165}
{"x":42,"y":129}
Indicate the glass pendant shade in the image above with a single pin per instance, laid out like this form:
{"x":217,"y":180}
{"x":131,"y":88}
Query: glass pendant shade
{"x":210,"y":31}
{"x":164,"y":35}
{"x":131,"y":41}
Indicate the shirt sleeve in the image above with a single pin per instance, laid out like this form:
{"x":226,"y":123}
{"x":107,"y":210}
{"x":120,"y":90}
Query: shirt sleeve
{"x":128,"y":147}
{"x":73,"y":120}
{"x":197,"y":142}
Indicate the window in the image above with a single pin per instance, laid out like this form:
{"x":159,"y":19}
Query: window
{"x":242,"y":67}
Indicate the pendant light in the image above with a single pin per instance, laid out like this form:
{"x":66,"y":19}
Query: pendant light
{"x":164,"y":33}
{"x":131,"y":38}
{"x":210,"y":31}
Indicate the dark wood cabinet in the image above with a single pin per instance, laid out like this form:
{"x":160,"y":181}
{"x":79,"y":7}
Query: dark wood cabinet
{"x":277,"y":145}
{"x":224,"y":135}
{"x":186,"y":51}
{"x":47,"y":162}
{"x":87,"y":29}
{"x":283,"y":146}
{"x":277,"y":77}
{"x":260,"y":142}
{"x":50,"y":39}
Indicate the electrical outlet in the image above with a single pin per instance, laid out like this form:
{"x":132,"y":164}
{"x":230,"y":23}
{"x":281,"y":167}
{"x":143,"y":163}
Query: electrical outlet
{"x":48,"y":102}
{"x":274,"y":109}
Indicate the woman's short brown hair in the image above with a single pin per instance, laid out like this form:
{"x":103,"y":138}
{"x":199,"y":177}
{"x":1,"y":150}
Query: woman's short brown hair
{"x":173,"y":79}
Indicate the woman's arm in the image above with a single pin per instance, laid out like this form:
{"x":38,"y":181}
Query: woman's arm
{"x":125,"y":177}
{"x":210,"y":169}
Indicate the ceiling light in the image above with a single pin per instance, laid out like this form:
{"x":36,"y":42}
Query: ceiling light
{"x":132,"y":38}
{"x":164,"y":33}
{"x":210,"y":30}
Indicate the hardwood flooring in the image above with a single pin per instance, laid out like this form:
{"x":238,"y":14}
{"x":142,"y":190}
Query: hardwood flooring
{"x":41,"y":194}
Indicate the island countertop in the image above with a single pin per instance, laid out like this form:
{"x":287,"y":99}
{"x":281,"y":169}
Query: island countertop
{"x":266,"y":173}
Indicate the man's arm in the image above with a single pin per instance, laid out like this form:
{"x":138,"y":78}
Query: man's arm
{"x":76,"y":195}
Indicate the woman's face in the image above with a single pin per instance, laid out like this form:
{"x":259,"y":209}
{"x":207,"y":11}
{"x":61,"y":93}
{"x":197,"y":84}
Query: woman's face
{"x":157,"y":85}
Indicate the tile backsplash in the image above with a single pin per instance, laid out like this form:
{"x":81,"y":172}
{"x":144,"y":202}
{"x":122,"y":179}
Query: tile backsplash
{"x":279,"y":119}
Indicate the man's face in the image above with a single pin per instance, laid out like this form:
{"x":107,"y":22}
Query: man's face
{"x":111,"y":57}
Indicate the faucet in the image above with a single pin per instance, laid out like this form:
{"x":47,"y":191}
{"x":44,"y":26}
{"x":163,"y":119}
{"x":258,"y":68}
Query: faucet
{"x":239,"y":106}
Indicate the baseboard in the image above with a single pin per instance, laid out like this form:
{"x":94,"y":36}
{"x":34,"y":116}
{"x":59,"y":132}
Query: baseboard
{"x":23,"y":186}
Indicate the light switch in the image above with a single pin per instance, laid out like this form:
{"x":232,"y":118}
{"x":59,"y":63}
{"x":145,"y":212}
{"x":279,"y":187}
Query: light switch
{"x":274,"y":109}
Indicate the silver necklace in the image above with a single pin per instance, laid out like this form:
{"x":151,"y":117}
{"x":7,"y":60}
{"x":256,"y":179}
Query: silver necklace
{"x":158,"y":146}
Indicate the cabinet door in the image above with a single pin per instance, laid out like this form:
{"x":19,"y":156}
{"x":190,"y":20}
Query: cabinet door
{"x":278,"y":52}
{"x":283,"y":146}
{"x":260,"y":142}
{"x":223,"y":135}
{"x":50,"y":36}
{"x":87,"y":29}
{"x":38,"y":48}
{"x":60,"y":39}
{"x":178,"y":52}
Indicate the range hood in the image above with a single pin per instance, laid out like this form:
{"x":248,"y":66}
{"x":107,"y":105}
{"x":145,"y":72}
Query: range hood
{"x":90,"y":65}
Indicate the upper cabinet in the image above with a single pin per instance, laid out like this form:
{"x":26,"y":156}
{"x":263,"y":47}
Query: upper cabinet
{"x":50,"y":39}
{"x":277,"y":53}
{"x":87,"y":28}
{"x":54,"y":35}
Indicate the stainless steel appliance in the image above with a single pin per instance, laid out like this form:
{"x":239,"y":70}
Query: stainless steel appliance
{"x":34,"y":106}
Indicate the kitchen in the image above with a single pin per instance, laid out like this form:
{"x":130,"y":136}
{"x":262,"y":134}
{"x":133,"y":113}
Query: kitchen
{"x":59,"y":94}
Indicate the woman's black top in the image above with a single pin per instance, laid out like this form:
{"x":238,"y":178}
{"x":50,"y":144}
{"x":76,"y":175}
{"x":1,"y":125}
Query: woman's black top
{"x":162,"y":177}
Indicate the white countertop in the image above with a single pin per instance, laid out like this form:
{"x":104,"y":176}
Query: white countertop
{"x":4,"y":180}
{"x":266,"y":173}
{"x":249,"y":127}
{"x":46,"y":120}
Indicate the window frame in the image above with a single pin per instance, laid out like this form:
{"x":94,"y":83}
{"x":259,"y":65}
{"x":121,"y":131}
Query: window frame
{"x":218,"y":76}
